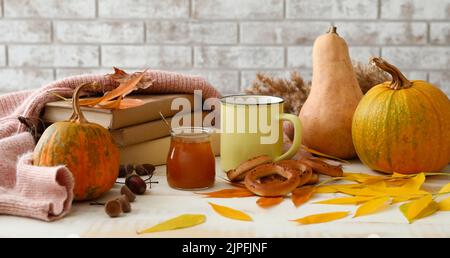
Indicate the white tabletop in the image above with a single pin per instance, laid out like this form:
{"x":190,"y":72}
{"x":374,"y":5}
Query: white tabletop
{"x":161,"y":203}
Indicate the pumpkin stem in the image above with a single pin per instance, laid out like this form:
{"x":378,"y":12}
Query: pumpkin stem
{"x":399,"y":81}
{"x":77,"y":115}
{"x":332,"y":29}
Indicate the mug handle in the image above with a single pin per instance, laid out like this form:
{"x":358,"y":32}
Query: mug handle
{"x":297,"y":136}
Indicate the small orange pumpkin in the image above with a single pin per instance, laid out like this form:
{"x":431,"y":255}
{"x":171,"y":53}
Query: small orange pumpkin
{"x":87,"y":149}
{"x":402,"y":126}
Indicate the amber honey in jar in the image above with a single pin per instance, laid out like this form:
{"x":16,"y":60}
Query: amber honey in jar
{"x":191,"y":163}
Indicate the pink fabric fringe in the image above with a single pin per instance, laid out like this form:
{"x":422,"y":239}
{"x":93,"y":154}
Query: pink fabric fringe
{"x":45,"y":193}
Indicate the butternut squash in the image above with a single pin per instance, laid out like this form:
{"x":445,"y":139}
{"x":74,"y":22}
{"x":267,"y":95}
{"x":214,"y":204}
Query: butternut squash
{"x":327,"y":113}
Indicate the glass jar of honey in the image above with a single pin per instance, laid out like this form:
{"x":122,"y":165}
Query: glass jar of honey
{"x":191,"y":163}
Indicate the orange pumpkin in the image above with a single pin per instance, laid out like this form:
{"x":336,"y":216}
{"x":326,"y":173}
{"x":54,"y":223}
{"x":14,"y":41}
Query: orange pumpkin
{"x":87,"y":149}
{"x":402,"y":126}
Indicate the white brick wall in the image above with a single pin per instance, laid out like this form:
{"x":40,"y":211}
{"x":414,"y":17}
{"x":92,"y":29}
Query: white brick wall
{"x":226,"y":41}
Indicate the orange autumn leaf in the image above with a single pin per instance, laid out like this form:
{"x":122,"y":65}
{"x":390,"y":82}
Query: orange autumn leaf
{"x":230,"y":213}
{"x":128,"y":83}
{"x":91,"y":101}
{"x":121,"y":76}
{"x":302,"y":195}
{"x":111,"y":104}
{"x":130,"y":103}
{"x":324,"y":155}
{"x":266,"y":202}
{"x":229,"y":193}
{"x":126,"y":86}
{"x":322,"y":217}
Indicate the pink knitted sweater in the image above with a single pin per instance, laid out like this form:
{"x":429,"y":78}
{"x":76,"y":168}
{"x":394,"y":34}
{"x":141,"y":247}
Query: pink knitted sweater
{"x":45,"y":193}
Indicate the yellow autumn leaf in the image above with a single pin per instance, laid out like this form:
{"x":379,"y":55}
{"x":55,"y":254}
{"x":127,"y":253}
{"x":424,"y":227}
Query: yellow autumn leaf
{"x":395,"y":174}
{"x":325,"y":189}
{"x":182,"y":221}
{"x":372,"y":206}
{"x":417,"y":206}
{"x":336,"y":188}
{"x":432,"y":208}
{"x":444,"y":205}
{"x":322,"y":217}
{"x":361,"y":178}
{"x":396,"y":182}
{"x":415,"y":182}
{"x":347,"y":200}
{"x":445,"y":189}
{"x":404,"y":198}
{"x":360,"y":191}
{"x":230,"y":213}
{"x":396,"y":191}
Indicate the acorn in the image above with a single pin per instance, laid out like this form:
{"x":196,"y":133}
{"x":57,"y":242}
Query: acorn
{"x":124,"y":203}
{"x":149,"y":167}
{"x":136,"y":184}
{"x":140,"y":170}
{"x":145,"y":169}
{"x":128,"y":193}
{"x":113,"y":208}
{"x":125,"y":170}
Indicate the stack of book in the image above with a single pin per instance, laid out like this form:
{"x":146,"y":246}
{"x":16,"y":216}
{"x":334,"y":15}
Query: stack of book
{"x":140,"y":133}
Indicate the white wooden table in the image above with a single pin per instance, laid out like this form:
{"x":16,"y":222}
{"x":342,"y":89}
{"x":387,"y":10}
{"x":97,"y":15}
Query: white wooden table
{"x":161,"y":203}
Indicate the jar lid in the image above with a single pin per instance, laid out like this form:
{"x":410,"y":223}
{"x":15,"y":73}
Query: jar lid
{"x":191,"y":132}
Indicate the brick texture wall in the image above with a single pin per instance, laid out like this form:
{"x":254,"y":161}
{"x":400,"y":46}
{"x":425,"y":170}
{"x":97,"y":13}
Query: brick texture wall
{"x":227,"y":41}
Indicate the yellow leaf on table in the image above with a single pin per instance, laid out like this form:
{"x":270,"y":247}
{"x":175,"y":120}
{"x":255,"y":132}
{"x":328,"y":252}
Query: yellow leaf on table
{"x":183,"y":221}
{"x":417,"y":206}
{"x":361,"y":192}
{"x":325,"y":189}
{"x":324,"y":155}
{"x":445,"y":189}
{"x":415,"y":182}
{"x":361,"y":178}
{"x":229,"y":193}
{"x":230,"y":213}
{"x":322,"y":217}
{"x":347,"y":200}
{"x":337,"y":187}
{"x":396,"y":191}
{"x":432,"y":208}
{"x":266,"y":202}
{"x":444,"y":205}
{"x":405,"y":198}
{"x":302,"y":195}
{"x":398,"y":175}
{"x":372,"y":206}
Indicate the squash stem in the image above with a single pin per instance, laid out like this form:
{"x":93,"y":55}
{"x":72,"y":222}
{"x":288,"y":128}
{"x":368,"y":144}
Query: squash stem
{"x":77,"y":115}
{"x":399,"y":81}
{"x":332,"y":29}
